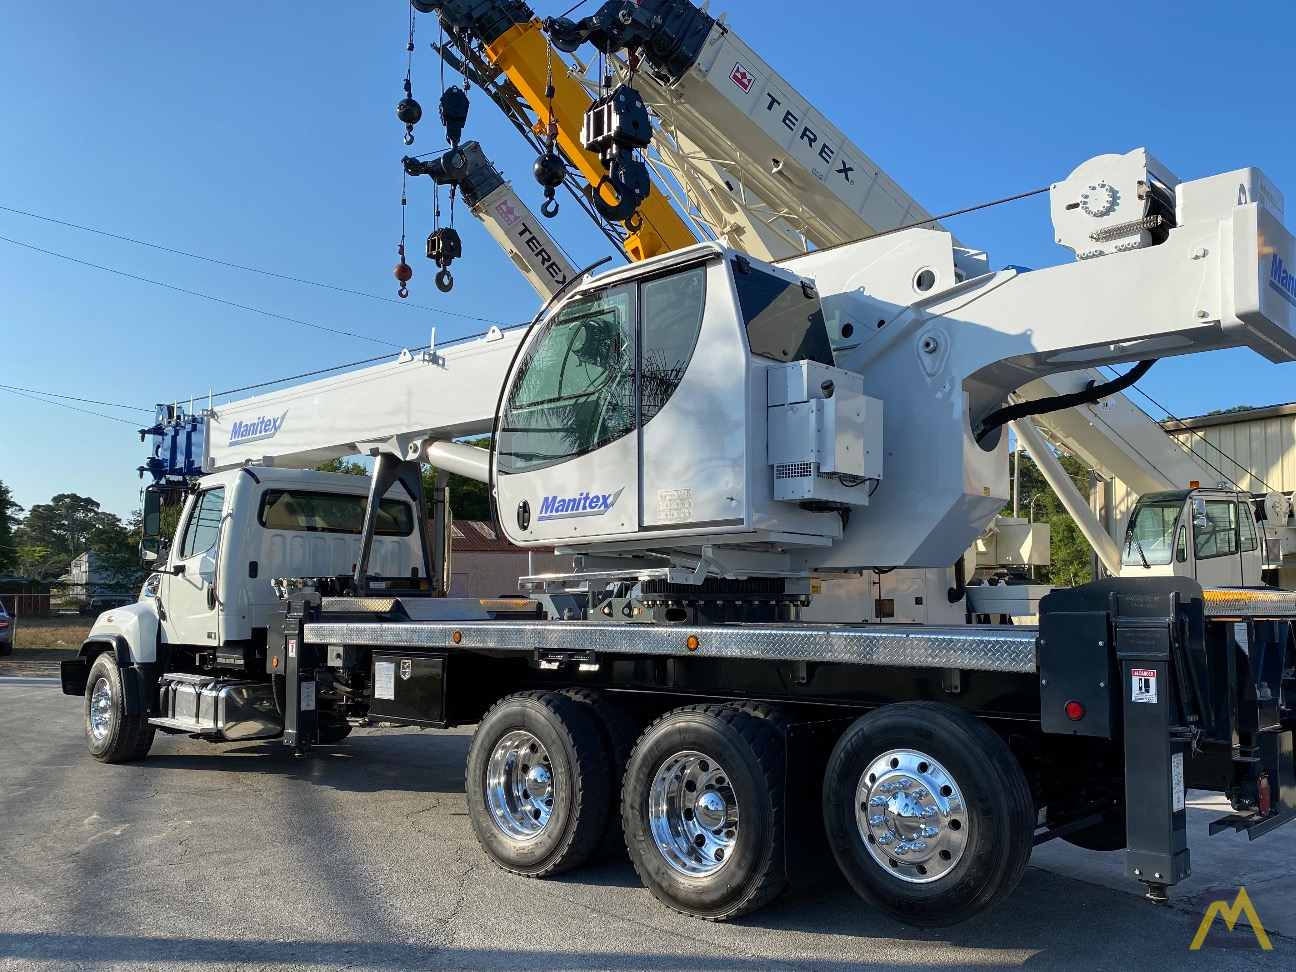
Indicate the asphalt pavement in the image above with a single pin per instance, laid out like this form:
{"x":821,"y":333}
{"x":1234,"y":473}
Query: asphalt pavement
{"x":360,"y":856}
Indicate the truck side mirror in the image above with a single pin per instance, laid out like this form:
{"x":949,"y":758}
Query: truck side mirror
{"x":152,"y":519}
{"x":1199,"y":513}
{"x":150,"y":549}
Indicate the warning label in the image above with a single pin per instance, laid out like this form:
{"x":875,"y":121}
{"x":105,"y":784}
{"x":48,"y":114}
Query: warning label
{"x":1143,"y":685}
{"x":384,"y":686}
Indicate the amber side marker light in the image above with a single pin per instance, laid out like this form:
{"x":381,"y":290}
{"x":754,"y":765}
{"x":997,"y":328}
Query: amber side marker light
{"x":457,"y":637}
{"x":692,"y":643}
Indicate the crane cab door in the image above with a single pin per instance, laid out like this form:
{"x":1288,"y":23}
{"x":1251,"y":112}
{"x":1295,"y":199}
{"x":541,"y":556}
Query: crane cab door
{"x":1218,"y":539}
{"x":188,"y":595}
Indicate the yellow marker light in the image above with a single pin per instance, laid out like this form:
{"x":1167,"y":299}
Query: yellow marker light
{"x":457,"y":637}
{"x":692,"y":643}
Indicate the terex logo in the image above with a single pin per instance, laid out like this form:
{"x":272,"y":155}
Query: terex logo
{"x":258,"y":428}
{"x":1282,"y":280}
{"x":825,"y":151}
{"x":582,"y":504}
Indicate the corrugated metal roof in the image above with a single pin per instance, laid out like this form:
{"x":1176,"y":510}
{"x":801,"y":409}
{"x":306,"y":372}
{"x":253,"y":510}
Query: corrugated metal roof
{"x":480,"y":537}
{"x":1254,"y":447}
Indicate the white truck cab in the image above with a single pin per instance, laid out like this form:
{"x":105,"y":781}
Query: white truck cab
{"x":1206,"y":534}
{"x":211,"y":586}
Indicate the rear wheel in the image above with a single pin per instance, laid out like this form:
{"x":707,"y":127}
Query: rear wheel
{"x":619,"y":731}
{"x":112,"y":736}
{"x":928,"y":813}
{"x":537,"y":784}
{"x":702,"y":809}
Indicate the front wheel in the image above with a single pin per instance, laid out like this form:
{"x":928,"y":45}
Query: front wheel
{"x":928,"y":813}
{"x":112,"y":736}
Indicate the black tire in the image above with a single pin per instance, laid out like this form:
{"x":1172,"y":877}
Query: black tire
{"x":620,"y":732}
{"x":768,"y":711}
{"x":6,"y":648}
{"x":987,"y":838}
{"x":577,"y":786}
{"x":750,"y":751}
{"x":113,"y":736}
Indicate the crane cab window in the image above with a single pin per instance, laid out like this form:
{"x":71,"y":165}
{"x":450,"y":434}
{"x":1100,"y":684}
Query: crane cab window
{"x":783,"y":317}
{"x":671,"y":321}
{"x":574,"y":389}
{"x":307,"y":512}
{"x":203,"y":528}
{"x":1219,"y":536}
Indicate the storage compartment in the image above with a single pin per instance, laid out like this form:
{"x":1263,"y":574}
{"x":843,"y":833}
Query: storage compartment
{"x":408,"y":689}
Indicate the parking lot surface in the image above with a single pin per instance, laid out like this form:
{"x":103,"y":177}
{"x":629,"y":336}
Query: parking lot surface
{"x":360,"y":856}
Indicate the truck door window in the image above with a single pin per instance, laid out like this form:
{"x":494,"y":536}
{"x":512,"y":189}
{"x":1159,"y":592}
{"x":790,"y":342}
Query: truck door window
{"x":204,"y":523}
{"x":671,"y":317}
{"x":574,"y":389}
{"x":783,"y":318}
{"x":1219,"y":537}
{"x":1246,"y":525}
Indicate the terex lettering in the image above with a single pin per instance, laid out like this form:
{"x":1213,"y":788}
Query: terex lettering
{"x":261,"y":427}
{"x":532,"y":243}
{"x":582,"y":504}
{"x":811,"y":138}
{"x":1282,"y":280}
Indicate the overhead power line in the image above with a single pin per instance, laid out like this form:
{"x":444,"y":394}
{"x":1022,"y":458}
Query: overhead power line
{"x":240,"y":266}
{"x":84,"y":411}
{"x":73,"y":398}
{"x":195,"y":293}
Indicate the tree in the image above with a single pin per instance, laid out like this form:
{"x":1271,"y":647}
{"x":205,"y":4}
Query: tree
{"x":53,"y":533}
{"x":115,"y":548}
{"x":9,"y":511}
{"x":469,"y":499}
{"x":1069,"y":551}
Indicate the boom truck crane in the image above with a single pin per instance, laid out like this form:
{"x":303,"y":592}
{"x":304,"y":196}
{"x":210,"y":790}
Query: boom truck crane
{"x":692,"y":431}
{"x":722,"y":111}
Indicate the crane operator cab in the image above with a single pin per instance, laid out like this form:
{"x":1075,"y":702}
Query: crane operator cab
{"x":692,"y":398}
{"x":1207,"y":534}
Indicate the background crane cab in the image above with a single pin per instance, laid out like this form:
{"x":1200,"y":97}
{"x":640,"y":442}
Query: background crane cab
{"x":1206,"y":534}
{"x":638,"y":409}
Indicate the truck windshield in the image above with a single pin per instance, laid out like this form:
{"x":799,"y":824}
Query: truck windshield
{"x":297,"y":510}
{"x":1150,"y":536}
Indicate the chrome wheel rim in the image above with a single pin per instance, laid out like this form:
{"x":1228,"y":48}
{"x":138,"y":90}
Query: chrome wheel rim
{"x":693,"y":814}
{"x":519,"y":785}
{"x":100,"y":709}
{"x":912,"y":816}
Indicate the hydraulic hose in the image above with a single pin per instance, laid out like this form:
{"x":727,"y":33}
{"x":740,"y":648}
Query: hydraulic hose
{"x":1043,"y":406}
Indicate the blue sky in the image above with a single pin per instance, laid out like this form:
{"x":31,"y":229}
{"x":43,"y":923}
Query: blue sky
{"x":264,"y":134}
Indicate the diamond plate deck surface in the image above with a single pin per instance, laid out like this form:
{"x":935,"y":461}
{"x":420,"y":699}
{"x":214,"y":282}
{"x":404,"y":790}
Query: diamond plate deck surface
{"x":979,"y":648}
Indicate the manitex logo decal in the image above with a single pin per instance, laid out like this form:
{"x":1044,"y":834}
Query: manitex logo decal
{"x":261,"y":427}
{"x":582,"y":504}
{"x":1282,"y":280}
